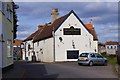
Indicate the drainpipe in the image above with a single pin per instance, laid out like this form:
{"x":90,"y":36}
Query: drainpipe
{"x":25,"y":51}
{"x":33,"y":46}
{"x":53,"y":33}
{"x":2,"y":49}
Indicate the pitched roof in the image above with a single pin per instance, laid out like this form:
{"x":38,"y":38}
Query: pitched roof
{"x":112,"y":43}
{"x":45,"y":31}
{"x":31,"y":36}
{"x":101,"y":44}
{"x":92,"y":31}
{"x":17,"y":42}
{"x":68,"y":16}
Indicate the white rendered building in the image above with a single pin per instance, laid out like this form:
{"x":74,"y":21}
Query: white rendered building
{"x":63,"y":39}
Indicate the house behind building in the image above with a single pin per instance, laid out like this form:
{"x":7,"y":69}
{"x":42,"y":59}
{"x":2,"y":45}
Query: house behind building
{"x":17,"y":49}
{"x":101,"y":47}
{"x":111,"y":47}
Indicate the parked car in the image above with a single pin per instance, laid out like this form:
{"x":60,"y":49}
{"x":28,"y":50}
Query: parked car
{"x":91,"y":59}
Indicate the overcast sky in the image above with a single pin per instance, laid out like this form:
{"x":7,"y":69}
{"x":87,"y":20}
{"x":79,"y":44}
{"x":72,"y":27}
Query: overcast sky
{"x":104,"y":15}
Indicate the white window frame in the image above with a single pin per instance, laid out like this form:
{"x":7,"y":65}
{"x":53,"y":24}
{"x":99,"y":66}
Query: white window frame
{"x":8,"y":12}
{"x":3,"y":7}
{"x":9,"y":48}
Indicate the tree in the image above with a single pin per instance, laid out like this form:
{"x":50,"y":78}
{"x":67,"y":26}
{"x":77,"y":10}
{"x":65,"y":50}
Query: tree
{"x":15,"y":20}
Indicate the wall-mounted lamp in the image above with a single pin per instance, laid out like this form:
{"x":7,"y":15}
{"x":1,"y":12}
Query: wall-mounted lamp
{"x":73,"y":44}
{"x":60,"y":38}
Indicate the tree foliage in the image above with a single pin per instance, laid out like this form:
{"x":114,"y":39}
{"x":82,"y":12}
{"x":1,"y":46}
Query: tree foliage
{"x":15,"y":20}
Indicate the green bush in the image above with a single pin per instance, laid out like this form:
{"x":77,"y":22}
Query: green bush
{"x":111,"y":58}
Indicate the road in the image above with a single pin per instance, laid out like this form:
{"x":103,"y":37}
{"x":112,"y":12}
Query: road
{"x":58,"y":70}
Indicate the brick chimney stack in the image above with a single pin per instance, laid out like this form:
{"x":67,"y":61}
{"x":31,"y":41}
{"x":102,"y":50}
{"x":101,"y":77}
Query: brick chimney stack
{"x":54,"y":14}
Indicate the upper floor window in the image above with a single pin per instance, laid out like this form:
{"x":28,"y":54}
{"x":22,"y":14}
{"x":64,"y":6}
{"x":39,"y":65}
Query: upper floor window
{"x":0,"y":5}
{"x":29,"y":47}
{"x":9,"y":13}
{"x":72,"y":31}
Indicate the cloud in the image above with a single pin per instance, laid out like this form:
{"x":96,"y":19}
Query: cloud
{"x":104,"y":14}
{"x":40,"y":10}
{"x":22,"y":32}
{"x":66,"y":0}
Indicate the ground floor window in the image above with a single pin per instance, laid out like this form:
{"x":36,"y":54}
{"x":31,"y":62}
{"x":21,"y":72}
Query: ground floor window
{"x":72,"y":54}
{"x":9,"y":48}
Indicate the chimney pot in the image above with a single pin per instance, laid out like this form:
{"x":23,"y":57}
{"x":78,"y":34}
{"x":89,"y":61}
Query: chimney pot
{"x":54,"y":14}
{"x":91,"y":22}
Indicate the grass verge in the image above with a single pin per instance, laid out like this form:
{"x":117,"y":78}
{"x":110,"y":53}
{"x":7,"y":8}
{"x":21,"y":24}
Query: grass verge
{"x":112,"y":60}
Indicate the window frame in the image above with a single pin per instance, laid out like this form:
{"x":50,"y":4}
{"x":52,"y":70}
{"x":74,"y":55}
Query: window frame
{"x":72,"y":54}
{"x":9,"y":48}
{"x":71,"y":31}
{"x":9,"y":12}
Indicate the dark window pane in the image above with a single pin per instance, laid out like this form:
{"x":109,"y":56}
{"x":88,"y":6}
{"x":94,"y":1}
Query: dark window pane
{"x":98,"y":56}
{"x":72,"y":54}
{"x":92,"y":55}
{"x":84,"y":55}
{"x":72,"y":31}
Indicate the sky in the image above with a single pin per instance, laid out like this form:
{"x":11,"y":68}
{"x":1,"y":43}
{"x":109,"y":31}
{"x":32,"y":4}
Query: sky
{"x":104,"y":15}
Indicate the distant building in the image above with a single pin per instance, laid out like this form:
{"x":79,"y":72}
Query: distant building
{"x":62,"y":40}
{"x":7,"y":25}
{"x":101,"y":47}
{"x":111,"y":47}
{"x":17,"y":49}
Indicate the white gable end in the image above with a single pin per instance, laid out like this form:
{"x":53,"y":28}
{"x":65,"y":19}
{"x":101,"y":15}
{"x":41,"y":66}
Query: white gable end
{"x":82,"y":42}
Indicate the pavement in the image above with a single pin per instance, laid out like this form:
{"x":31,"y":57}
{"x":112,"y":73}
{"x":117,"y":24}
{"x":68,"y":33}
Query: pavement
{"x":23,"y":70}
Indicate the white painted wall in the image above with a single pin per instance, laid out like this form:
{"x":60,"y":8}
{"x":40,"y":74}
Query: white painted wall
{"x":44,"y":51}
{"x":7,"y":35}
{"x":112,"y":50}
{"x":29,"y":52}
{"x":82,"y":42}
{"x":95,"y":46}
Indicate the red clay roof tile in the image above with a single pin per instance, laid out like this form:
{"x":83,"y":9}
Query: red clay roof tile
{"x":112,"y":43}
{"x":17,"y":42}
{"x":92,"y":31}
{"x":46,"y":31}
